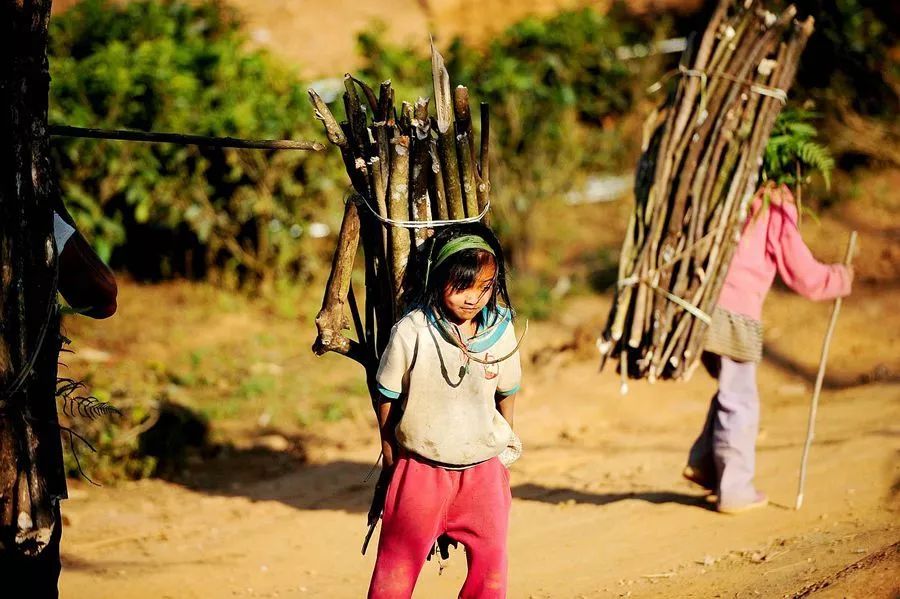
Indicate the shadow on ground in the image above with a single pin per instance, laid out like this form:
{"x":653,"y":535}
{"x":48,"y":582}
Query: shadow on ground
{"x":262,"y":474}
{"x":533,"y":492}
{"x":832,"y":381}
{"x":267,"y":475}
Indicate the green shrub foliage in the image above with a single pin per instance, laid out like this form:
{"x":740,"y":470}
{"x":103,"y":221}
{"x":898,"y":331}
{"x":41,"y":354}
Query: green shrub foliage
{"x":162,"y":208}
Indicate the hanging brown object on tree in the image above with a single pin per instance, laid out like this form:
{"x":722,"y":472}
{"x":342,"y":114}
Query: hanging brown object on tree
{"x":701,"y":163}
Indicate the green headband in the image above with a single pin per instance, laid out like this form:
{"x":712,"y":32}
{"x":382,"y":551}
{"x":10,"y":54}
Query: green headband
{"x":458,"y":244}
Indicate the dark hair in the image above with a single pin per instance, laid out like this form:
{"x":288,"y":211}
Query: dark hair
{"x":458,"y":271}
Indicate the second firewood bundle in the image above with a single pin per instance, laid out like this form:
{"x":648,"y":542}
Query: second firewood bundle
{"x":702,"y":158}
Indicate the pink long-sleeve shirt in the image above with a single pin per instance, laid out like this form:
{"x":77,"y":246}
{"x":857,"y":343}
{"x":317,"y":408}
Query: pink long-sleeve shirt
{"x":771,"y":243}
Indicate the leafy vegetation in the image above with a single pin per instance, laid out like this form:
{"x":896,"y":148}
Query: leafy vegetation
{"x":792,"y":154}
{"x":179,"y":66}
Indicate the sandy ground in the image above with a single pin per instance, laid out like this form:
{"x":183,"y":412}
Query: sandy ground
{"x":599,"y":508}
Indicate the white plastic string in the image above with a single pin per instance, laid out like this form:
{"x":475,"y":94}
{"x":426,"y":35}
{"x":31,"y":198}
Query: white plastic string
{"x":425,"y":224}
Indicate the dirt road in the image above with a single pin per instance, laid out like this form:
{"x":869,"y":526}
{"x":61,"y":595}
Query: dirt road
{"x":599,"y":509}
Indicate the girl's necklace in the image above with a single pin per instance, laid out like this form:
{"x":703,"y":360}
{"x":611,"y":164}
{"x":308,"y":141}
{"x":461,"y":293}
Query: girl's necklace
{"x":467,"y":358}
{"x":462,"y":346}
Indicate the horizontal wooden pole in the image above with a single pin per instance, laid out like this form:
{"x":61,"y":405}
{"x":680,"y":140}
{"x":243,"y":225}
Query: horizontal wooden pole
{"x":183,"y":139}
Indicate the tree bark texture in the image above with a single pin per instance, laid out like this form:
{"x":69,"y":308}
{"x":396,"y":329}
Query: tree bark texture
{"x":32,"y":479}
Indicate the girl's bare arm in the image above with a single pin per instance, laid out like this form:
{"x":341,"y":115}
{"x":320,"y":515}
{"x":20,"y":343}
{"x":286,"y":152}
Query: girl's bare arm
{"x":386,"y":422}
{"x":507,"y":407}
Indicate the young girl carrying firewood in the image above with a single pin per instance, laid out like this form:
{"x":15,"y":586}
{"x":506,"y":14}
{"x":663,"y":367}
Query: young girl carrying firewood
{"x":448,"y":379}
{"x":722,"y":458}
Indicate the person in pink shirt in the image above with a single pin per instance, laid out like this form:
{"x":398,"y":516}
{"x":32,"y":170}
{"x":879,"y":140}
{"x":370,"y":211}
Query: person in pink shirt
{"x":722,"y":459}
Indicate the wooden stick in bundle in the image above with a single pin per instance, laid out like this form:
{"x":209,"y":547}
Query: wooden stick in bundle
{"x":436,"y":190}
{"x":731,"y":212}
{"x":484,"y":161}
{"x":398,"y":209}
{"x":769,"y":109}
{"x":737,"y":122}
{"x":747,"y":122}
{"x":420,"y":167}
{"x":446,"y":136}
{"x":330,"y":321}
{"x":382,"y":131}
{"x":658,"y":205}
{"x":375,"y":271}
{"x":677,"y":121}
{"x":37,"y":519}
{"x":336,"y":136}
{"x":692,"y":88}
{"x":356,"y":117}
{"x":24,"y":522}
{"x":630,"y":248}
{"x":705,"y":114}
{"x":465,"y":148}
{"x":716,"y":167}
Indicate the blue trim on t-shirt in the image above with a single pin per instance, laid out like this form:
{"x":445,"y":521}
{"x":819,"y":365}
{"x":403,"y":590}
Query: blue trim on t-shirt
{"x":482,"y":341}
{"x":387,"y":392}
{"x":486,"y":335}
{"x":510,"y":392}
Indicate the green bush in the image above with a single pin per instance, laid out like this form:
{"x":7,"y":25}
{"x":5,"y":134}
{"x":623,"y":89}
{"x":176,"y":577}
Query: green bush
{"x":184,"y":67}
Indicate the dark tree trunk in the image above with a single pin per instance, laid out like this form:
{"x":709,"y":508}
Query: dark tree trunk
{"x":31,"y":474}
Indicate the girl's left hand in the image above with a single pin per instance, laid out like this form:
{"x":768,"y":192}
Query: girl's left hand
{"x":387,"y":450}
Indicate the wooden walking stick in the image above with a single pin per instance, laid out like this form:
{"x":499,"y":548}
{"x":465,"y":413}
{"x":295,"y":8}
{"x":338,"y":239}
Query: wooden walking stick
{"x":820,"y":377}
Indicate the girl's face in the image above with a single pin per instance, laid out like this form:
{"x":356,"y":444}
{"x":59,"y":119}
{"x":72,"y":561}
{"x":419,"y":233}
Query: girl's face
{"x":462,"y":305}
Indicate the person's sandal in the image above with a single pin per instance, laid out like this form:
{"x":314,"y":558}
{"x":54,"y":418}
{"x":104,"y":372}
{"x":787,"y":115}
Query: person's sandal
{"x":698,"y":477}
{"x":761,"y":500}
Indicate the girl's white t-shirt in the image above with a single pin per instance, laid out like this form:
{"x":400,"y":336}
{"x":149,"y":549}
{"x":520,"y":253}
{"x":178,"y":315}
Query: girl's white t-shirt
{"x":449,"y":401}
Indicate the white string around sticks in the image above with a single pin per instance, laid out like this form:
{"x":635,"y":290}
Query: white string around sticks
{"x":634,"y":280}
{"x":756,"y":88}
{"x":425,"y":224}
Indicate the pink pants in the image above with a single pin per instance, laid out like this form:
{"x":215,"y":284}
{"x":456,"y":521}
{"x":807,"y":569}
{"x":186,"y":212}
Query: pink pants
{"x":423,"y":502}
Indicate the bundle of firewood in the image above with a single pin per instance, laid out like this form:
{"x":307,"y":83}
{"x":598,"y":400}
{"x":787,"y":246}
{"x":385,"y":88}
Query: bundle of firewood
{"x":701,"y":161}
{"x":410,"y":173}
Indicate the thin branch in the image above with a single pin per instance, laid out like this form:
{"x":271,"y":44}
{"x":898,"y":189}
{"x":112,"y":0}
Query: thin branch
{"x":184,"y":139}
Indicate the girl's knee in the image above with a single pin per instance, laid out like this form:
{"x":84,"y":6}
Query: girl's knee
{"x":491,"y":556}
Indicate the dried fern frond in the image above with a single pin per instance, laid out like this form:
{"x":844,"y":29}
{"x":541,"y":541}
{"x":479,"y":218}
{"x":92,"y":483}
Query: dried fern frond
{"x":77,"y":405}
{"x":87,"y":406}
